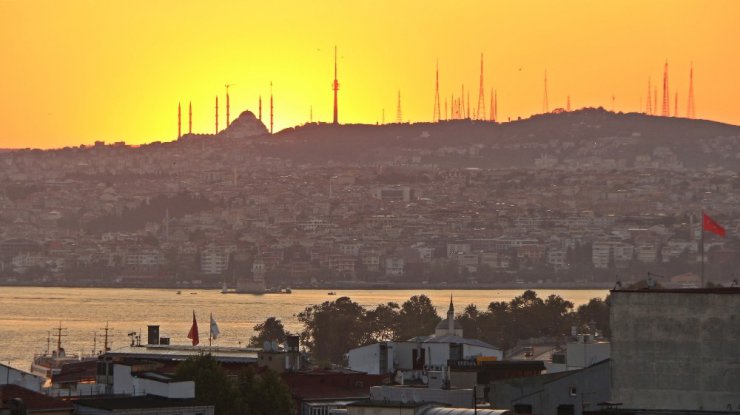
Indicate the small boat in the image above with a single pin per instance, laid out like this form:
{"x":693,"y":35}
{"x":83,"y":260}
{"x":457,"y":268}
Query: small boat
{"x":331,"y":293}
{"x":178,"y":292}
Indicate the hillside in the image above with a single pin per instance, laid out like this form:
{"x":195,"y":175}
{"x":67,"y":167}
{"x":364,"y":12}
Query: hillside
{"x":575,"y":137}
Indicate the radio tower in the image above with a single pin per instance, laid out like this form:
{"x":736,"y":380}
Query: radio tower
{"x":666,"y":110}
{"x":649,"y":106}
{"x":480,"y":113}
{"x":675,"y":106}
{"x":260,"y":104}
{"x":492,"y":117}
{"x":271,"y":108}
{"x":178,"y":120}
{"x":495,"y":106}
{"x":436,"y":116}
{"x":468,"y":116}
{"x":462,"y":101}
{"x":567,"y":104}
{"x":190,"y":117}
{"x":335,"y":87}
{"x":655,"y":99}
{"x":545,"y":105}
{"x":691,"y":111}
{"x":216,"y":114}
{"x":228,"y":120}
{"x":399,"y":117}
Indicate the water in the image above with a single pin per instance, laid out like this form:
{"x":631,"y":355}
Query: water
{"x":28,"y":314}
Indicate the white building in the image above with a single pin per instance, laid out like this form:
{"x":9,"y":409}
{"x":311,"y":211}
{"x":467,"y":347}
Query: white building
{"x":416,"y":357}
{"x":12,"y":376}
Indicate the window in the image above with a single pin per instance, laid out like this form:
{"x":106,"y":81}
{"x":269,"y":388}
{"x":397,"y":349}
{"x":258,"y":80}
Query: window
{"x":572,"y":390}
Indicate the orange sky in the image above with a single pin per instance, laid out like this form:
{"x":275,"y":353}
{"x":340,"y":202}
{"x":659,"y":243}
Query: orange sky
{"x":76,"y":71}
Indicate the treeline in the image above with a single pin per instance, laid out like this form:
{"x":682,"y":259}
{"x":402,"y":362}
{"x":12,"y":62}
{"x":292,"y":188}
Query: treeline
{"x":334,"y":327}
{"x":249,"y":394}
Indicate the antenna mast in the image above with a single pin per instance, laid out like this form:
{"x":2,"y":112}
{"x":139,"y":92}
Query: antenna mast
{"x":545,"y":105}
{"x":436,"y":116}
{"x":480,"y":112}
{"x":666,"y":110}
{"x":691,"y":111}
{"x":271,"y":108}
{"x":335,"y":88}
{"x":399,"y":117}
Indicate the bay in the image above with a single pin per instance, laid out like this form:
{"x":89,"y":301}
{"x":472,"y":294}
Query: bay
{"x":29,"y":314}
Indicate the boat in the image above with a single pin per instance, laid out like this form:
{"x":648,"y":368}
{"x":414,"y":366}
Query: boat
{"x":331,"y":293}
{"x":50,"y":363}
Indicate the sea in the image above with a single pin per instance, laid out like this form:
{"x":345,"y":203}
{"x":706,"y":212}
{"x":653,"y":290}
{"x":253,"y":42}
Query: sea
{"x":30,"y":316}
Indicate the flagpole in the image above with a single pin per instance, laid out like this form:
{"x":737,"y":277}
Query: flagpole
{"x":702,"y":248}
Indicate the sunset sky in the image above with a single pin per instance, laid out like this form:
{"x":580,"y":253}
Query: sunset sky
{"x":76,"y":71}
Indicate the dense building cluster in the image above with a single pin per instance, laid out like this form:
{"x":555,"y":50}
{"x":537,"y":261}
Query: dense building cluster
{"x":207,"y":211}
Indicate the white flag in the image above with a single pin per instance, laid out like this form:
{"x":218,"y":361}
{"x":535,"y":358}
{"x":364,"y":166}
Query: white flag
{"x":214,"y":329}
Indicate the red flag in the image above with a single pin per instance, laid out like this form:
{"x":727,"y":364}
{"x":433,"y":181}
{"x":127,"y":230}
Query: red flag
{"x":193,"y":334}
{"x":710,"y":225}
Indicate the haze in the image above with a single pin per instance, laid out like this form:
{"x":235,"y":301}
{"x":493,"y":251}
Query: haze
{"x":78,"y":71}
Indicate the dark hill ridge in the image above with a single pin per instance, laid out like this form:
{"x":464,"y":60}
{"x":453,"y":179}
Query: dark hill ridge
{"x":572,"y":136}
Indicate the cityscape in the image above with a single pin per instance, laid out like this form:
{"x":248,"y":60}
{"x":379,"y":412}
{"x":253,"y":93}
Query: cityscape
{"x":382,"y":208}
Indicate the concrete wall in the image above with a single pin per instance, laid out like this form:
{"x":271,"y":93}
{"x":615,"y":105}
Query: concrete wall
{"x":367,"y":359}
{"x":582,"y":389}
{"x":13,"y":376}
{"x":676,"y":350}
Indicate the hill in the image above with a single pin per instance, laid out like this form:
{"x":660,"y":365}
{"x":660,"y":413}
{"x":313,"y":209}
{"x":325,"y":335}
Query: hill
{"x":580,"y":137}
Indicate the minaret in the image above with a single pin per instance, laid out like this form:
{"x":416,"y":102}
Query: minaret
{"x":190,"y":117}
{"x":335,"y":87}
{"x":271,"y":108}
{"x":228,"y":116}
{"x":451,"y":319}
{"x":178,"y":121}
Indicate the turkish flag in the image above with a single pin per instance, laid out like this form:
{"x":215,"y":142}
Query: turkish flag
{"x":710,"y":225}
{"x":193,"y":334}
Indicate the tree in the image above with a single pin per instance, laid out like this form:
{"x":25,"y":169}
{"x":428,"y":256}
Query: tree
{"x":417,"y":318}
{"x":271,"y":330}
{"x":595,"y":313}
{"x":212,"y":385}
{"x":382,"y":323}
{"x":333,"y":328}
{"x":265,"y":394}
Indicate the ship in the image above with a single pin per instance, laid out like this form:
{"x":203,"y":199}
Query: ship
{"x":50,"y":362}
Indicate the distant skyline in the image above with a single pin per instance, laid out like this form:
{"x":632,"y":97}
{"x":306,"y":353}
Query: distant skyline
{"x":77,"y":71}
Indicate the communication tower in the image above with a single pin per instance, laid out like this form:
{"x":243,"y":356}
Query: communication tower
{"x":649,"y":106}
{"x":480,"y":113}
{"x":545,"y":105}
{"x":335,"y":87}
{"x":399,"y":116}
{"x":190,"y":117}
{"x":666,"y":109}
{"x":691,"y":111}
{"x":178,"y":120}
{"x":271,"y":108}
{"x":216,"y":114}
{"x":436,"y":116}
